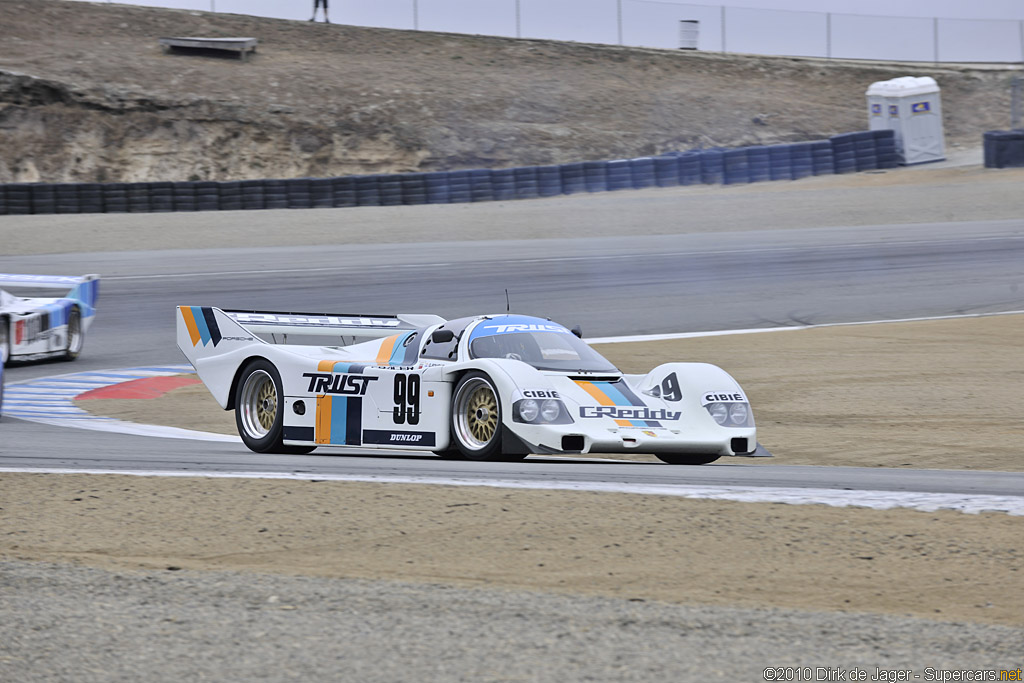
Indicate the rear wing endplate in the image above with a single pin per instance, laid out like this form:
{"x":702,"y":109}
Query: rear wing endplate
{"x":65,"y":282}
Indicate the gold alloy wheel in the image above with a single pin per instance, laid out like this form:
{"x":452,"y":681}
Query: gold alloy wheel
{"x":258,"y":404}
{"x":476,"y":414}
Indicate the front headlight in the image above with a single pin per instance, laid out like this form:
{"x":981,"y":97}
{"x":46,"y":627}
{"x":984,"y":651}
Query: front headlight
{"x":528,"y":410}
{"x":719,"y":412}
{"x":738,"y":414}
{"x":548,"y":411}
{"x":731,"y":414}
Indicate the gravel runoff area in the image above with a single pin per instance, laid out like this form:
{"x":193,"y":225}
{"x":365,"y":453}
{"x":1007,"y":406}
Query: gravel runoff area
{"x":66,"y":623}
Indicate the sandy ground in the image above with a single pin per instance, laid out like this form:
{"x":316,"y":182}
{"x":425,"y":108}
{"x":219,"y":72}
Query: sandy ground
{"x":945,"y":565}
{"x":939,"y":394}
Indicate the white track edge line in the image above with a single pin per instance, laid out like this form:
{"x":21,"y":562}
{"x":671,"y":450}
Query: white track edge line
{"x":877,"y":500}
{"x":788,"y":328}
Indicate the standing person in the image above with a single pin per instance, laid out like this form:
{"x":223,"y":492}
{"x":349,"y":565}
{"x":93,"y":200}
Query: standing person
{"x":316,"y":4}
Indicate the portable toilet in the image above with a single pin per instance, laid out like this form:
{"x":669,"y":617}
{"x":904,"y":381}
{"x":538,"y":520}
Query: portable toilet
{"x":911,"y":108}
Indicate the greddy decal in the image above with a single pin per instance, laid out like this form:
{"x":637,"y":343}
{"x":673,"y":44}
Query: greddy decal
{"x":201,"y":324}
{"x":626,"y":414}
{"x":621,"y":404}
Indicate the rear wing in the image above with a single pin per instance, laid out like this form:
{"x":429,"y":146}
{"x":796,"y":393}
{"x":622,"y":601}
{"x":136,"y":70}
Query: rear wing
{"x":84,"y":289}
{"x":281,"y":328}
{"x":319,"y":329}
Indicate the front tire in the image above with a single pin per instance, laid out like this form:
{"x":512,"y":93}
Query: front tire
{"x":259,"y":409}
{"x":688,"y":458}
{"x":476,"y":418}
{"x":76,"y":338}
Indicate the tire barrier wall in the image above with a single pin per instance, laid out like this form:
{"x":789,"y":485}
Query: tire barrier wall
{"x":1004,"y":149}
{"x":845,"y":153}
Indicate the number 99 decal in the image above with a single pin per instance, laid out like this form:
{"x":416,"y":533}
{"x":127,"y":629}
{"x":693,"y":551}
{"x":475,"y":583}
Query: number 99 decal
{"x":407,"y":399}
{"x":670,"y":390}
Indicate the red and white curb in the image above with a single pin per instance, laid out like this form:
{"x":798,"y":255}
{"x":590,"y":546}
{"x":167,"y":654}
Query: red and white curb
{"x":50,"y":400}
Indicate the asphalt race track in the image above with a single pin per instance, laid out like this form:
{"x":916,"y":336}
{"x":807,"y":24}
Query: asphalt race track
{"x":610,"y":286}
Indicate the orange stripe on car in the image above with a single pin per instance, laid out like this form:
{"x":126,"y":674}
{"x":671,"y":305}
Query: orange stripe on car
{"x":386,"y":347}
{"x":601,"y":398}
{"x":190,"y":324}
{"x":323,"y":419}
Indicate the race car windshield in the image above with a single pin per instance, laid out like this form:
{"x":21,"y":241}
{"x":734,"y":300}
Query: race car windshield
{"x":542,"y":350}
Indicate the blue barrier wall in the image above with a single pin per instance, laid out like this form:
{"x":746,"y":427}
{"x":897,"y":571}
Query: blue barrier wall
{"x":847,"y":153}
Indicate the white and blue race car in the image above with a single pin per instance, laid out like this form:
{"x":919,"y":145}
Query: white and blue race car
{"x":34,"y":327}
{"x":489,"y":387}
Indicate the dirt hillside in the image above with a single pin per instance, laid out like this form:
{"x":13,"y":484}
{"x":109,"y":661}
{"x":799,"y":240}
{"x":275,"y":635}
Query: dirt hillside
{"x":86,"y":94}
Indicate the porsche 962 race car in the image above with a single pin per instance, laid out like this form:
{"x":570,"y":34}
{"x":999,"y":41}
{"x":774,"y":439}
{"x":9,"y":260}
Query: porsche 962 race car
{"x":33,"y":327}
{"x":488,"y":387}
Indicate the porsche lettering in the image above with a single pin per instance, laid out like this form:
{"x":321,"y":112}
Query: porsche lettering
{"x":348,"y":385}
{"x":619,"y":413}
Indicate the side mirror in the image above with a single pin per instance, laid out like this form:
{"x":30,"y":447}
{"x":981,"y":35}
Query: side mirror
{"x":578,"y":331}
{"x":441,"y":336}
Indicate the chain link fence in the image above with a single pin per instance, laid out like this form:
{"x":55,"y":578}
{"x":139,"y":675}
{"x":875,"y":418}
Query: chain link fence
{"x":670,"y":24}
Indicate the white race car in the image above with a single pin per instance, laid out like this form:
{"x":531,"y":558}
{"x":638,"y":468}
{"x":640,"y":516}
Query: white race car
{"x":45,"y":327}
{"x":489,"y":387}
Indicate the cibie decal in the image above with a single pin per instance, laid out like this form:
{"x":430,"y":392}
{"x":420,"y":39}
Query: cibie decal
{"x":540,"y":393}
{"x":201,"y":324}
{"x":723,"y":397}
{"x":876,"y":110}
{"x":921,"y":107}
{"x":894,"y":110}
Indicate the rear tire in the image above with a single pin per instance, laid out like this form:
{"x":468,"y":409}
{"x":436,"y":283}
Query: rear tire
{"x":259,"y":410}
{"x":75,"y":335}
{"x":687,"y":458}
{"x":5,"y":340}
